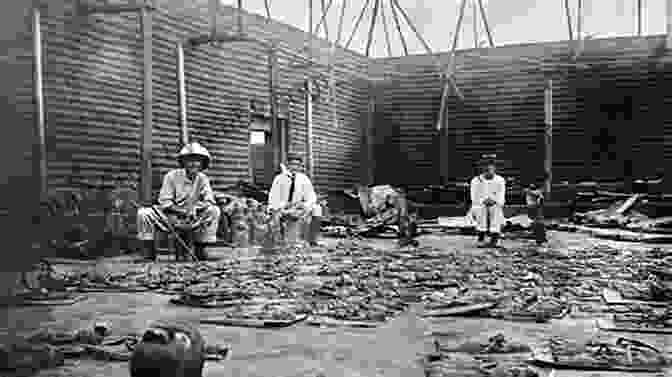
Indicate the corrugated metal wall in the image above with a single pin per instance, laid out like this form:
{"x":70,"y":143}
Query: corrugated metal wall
{"x":503,"y":111}
{"x":94,"y":96}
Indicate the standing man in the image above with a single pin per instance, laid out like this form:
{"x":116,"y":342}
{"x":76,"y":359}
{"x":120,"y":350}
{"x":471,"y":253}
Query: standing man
{"x":534,"y":199}
{"x":293,"y":187}
{"x":186,"y":201}
{"x":488,"y":192}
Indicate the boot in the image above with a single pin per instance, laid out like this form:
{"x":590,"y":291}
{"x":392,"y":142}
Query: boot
{"x":149,"y":251}
{"x":494,"y":239}
{"x":481,"y":236}
{"x":199,"y":250}
{"x":314,"y":231}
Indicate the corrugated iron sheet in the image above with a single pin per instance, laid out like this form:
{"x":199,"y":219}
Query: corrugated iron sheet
{"x":503,"y":111}
{"x":94,"y":96}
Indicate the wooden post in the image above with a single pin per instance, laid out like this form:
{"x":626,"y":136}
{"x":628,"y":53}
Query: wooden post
{"x":568,"y":13}
{"x":214,"y":8}
{"x":548,"y":160}
{"x":370,"y":163}
{"x":398,"y":25}
{"x":372,"y":27}
{"x":579,"y":27}
{"x":669,"y":24}
{"x":240,"y":17}
{"x":310,"y":164}
{"x":146,"y":143}
{"x":182,"y":95}
{"x":275,"y":129}
{"x":486,"y":25}
{"x":639,"y":18}
{"x":40,"y":147}
{"x":475,"y":15}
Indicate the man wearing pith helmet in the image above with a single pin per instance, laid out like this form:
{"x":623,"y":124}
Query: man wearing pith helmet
{"x":186,"y":200}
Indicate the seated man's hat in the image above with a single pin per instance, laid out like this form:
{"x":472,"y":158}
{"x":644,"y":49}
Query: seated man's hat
{"x":195,"y":149}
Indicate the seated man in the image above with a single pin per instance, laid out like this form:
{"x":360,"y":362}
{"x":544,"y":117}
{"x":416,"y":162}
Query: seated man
{"x":488,"y":192}
{"x":186,"y":202}
{"x":293,"y":187}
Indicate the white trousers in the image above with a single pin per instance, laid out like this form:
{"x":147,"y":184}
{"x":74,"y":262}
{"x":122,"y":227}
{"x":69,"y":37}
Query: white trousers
{"x":150,"y":220}
{"x":481,"y":215}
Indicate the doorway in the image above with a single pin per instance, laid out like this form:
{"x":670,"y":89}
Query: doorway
{"x":264,"y":154}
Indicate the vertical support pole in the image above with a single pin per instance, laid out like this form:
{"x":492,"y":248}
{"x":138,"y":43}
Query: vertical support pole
{"x":146,"y":143}
{"x":370,"y":163}
{"x":309,"y":129}
{"x":639,"y":18}
{"x":182,"y":95}
{"x":475,"y":18}
{"x":240,"y":17}
{"x":548,"y":160}
{"x":668,"y":24}
{"x":372,"y":27}
{"x":568,"y":14}
{"x":214,"y":10}
{"x":40,"y":147}
{"x":273,"y":98}
{"x":579,"y":29}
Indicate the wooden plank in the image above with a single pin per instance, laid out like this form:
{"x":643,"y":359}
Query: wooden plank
{"x":147,"y":127}
{"x":548,"y":160}
{"x":308,"y":93}
{"x":668,"y":24}
{"x":610,"y":325}
{"x":372,"y":27}
{"x":182,"y":95}
{"x":40,"y":158}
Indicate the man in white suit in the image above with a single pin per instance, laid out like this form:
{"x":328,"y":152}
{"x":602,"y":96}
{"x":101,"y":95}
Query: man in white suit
{"x":488,"y":191}
{"x":293,"y":187}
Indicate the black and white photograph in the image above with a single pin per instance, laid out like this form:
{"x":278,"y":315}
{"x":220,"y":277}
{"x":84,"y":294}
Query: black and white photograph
{"x":336,"y":188}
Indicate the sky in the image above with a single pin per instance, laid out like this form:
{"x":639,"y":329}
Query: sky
{"x":511,"y":21}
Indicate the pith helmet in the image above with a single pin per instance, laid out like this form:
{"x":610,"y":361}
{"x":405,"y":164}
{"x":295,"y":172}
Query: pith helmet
{"x":195,"y":149}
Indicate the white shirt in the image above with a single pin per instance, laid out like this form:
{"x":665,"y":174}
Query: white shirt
{"x":482,"y":189}
{"x":303,"y":191}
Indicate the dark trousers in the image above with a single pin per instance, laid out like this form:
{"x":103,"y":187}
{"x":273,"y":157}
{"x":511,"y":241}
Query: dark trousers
{"x":536,"y":213}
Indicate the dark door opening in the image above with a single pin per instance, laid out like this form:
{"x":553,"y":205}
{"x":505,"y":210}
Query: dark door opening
{"x":264,"y":152}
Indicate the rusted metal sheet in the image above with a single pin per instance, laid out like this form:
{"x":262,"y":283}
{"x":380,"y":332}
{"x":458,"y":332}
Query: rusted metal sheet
{"x":93,"y":96}
{"x":503,"y":112}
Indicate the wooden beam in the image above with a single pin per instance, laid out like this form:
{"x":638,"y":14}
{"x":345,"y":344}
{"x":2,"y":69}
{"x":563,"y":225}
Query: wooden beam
{"x":339,"y":32}
{"x":548,"y":160}
{"x":579,"y":27}
{"x":668,"y":23}
{"x":241,"y":27}
{"x":182,"y":95}
{"x":488,"y":32}
{"x":214,"y":9}
{"x":372,"y":27}
{"x":267,"y":6}
{"x":147,"y":129}
{"x":359,"y":20}
{"x":323,"y":18}
{"x":385,"y":29}
{"x":412,"y":26}
{"x":568,"y":13}
{"x":475,"y":22}
{"x":639,"y":18}
{"x":451,"y":69}
{"x":398,"y":24}
{"x":309,"y":128}
{"x":40,"y":146}
{"x":369,"y":134}
{"x":222,"y":37}
{"x":84,"y":9}
{"x":273,"y":101}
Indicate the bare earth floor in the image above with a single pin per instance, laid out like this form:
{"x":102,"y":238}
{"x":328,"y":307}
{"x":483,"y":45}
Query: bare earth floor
{"x":391,"y":350}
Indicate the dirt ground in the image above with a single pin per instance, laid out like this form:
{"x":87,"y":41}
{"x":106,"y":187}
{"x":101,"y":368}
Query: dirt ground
{"x":391,"y":350}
